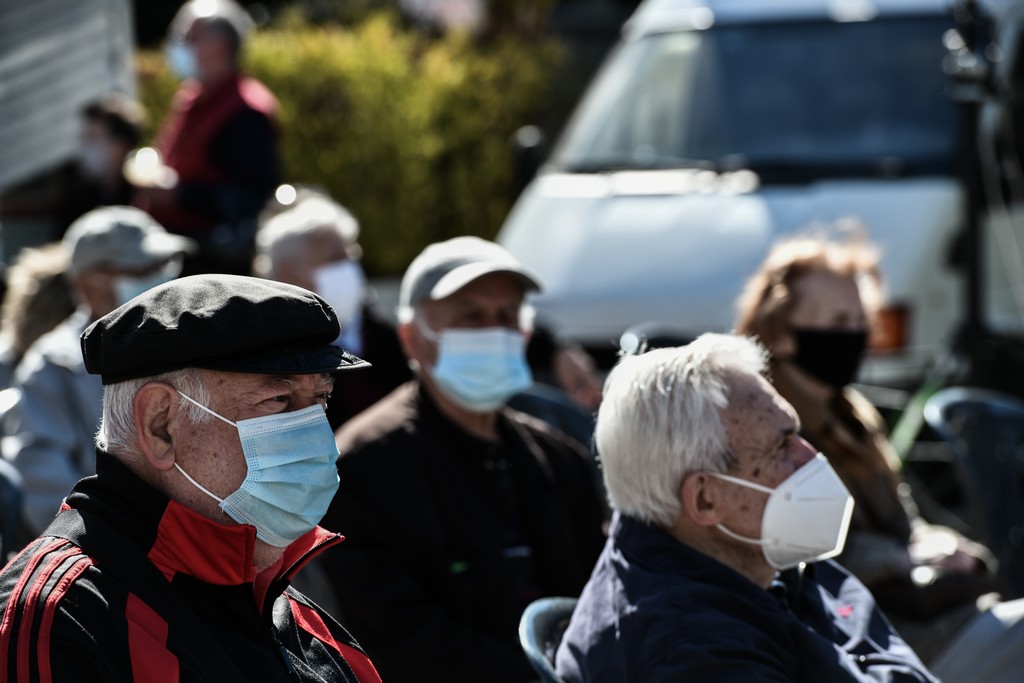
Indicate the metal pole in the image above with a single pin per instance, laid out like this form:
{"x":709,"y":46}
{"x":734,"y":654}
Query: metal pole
{"x":967,"y":66}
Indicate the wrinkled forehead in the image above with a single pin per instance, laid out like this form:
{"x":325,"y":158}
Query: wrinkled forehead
{"x":755,"y":410}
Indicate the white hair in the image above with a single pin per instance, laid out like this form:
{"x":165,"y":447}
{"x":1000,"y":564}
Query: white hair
{"x":117,"y":426}
{"x":660,"y":420}
{"x":285,"y":236}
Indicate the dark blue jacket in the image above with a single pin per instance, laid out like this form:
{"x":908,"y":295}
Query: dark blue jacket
{"x":657,"y":610}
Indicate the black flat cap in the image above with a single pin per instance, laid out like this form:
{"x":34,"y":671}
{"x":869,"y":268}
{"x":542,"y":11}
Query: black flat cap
{"x":217,"y":322}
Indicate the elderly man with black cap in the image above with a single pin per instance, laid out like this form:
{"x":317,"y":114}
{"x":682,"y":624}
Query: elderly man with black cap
{"x":215,"y":462}
{"x":114,"y":253}
{"x":459,"y":511}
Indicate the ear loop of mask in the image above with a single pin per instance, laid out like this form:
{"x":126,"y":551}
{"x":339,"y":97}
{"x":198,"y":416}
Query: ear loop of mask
{"x":748,"y":484}
{"x":183,"y":472}
{"x":426,"y":330}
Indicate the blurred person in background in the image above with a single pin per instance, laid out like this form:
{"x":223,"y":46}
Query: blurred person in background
{"x":457,"y":511}
{"x":564,"y":364}
{"x":716,"y":569}
{"x":220,"y":139}
{"x":812,"y":303}
{"x":37,"y":299}
{"x":114,"y":254}
{"x":314,"y":244}
{"x":565,"y":390}
{"x":111,"y":128}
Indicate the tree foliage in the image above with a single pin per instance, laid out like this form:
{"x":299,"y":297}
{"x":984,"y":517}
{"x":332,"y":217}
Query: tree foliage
{"x":411,"y":133}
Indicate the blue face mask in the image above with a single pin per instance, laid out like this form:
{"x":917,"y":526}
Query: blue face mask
{"x":292,"y":473}
{"x":480,"y":369}
{"x":182,"y":60}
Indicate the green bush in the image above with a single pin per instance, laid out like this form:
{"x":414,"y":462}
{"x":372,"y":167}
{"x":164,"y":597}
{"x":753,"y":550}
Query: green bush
{"x":412,"y":134}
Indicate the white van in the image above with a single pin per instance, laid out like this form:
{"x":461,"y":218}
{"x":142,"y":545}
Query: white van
{"x":718,"y":126}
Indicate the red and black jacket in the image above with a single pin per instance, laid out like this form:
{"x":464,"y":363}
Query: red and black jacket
{"x":126,"y":585}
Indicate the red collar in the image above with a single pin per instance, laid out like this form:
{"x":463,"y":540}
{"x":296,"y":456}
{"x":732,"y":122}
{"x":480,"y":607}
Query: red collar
{"x":222,"y":554}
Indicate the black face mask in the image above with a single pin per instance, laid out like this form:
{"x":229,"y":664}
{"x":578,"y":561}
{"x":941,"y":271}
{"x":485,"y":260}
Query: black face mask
{"x":830,"y":356}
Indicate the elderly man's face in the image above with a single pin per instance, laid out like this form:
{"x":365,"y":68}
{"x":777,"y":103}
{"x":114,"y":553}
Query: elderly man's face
{"x":211,"y":451}
{"x":493,"y":300}
{"x":762,"y":432}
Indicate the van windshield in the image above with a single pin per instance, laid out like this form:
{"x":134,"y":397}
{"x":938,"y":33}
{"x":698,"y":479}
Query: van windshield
{"x":788,"y":100}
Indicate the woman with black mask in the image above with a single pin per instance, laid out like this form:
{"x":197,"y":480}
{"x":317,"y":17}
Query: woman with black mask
{"x":811,"y":303}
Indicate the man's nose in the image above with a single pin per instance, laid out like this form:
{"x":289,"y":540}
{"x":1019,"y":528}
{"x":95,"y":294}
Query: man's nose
{"x":803,"y":452}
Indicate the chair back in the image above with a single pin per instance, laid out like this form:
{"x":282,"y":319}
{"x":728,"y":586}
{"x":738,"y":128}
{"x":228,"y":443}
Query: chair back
{"x":540,"y":631}
{"x":985,"y":431}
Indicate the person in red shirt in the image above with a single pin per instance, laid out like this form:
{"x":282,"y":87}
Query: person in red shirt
{"x":220,"y":139}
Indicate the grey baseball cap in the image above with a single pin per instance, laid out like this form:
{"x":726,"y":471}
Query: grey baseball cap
{"x":120,"y":237}
{"x":444,"y":268}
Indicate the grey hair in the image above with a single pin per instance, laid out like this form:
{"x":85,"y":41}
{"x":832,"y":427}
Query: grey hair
{"x":117,"y":426}
{"x":660,"y":420}
{"x":285,"y":236}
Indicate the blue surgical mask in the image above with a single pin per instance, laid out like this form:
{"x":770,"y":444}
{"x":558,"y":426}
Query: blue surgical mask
{"x":292,"y":473}
{"x":480,"y":369}
{"x":182,"y":60}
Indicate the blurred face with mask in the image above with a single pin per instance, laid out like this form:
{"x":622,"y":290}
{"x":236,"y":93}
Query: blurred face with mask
{"x":313,"y":246}
{"x":119,"y":252}
{"x":812,"y":303}
{"x":111,"y":128}
{"x":101,"y":153}
{"x":827,"y":328}
{"x":108,"y":286}
{"x":205,"y":38}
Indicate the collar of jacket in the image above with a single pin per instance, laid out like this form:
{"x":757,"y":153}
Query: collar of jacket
{"x":428,"y":409}
{"x":178,"y":540}
{"x":659,"y":553}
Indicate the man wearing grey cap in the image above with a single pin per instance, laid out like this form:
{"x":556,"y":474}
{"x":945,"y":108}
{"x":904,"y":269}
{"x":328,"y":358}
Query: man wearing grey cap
{"x":214,"y":464}
{"x":114,"y":253}
{"x":458,"y":511}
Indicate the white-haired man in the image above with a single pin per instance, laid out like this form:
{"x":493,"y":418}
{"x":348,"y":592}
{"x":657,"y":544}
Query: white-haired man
{"x":214,"y":464}
{"x":314,"y":245}
{"x":458,"y":511}
{"x":710,"y":573}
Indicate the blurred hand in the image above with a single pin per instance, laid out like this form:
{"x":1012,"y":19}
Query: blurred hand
{"x":947,"y":551}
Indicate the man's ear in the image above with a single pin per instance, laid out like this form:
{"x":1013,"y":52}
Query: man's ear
{"x":155,"y":412}
{"x":415,"y":346}
{"x":405,"y":337}
{"x":701,"y":499}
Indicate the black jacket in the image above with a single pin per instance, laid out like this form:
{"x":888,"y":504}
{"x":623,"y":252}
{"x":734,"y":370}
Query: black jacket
{"x":427,"y":576}
{"x":126,"y":585}
{"x":658,"y":610}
